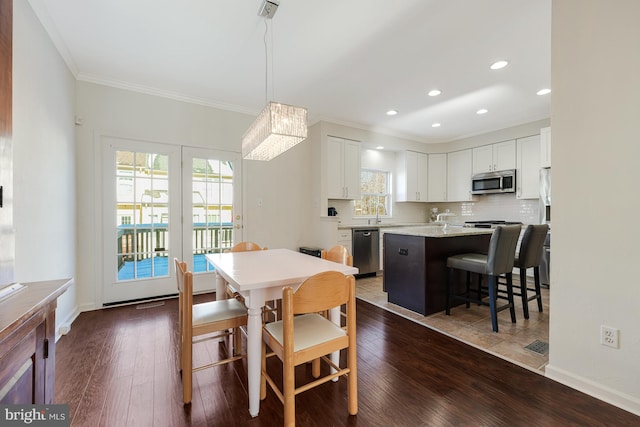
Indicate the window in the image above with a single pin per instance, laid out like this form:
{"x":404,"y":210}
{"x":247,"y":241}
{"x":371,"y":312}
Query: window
{"x":375,"y":194}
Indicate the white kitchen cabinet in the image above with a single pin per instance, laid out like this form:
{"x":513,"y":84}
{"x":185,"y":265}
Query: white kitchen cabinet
{"x":344,"y":239}
{"x":494,"y":157}
{"x":437,"y":178}
{"x":411,"y":173}
{"x":343,"y":168}
{"x":459,"y":169}
{"x":545,"y":147}
{"x":528,"y":168}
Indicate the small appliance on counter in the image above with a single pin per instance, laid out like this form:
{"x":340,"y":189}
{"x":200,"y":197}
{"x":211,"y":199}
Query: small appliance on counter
{"x":332,"y":211}
{"x":317,"y":252}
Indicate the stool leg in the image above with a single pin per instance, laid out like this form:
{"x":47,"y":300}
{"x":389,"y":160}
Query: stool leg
{"x":523,"y":292}
{"x":492,"y":302}
{"x":468,"y":294}
{"x":512,"y":308}
{"x":448,"y":296}
{"x":536,"y":276}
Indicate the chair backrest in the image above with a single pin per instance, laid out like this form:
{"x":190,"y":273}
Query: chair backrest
{"x":502,"y":249}
{"x":530,"y":254}
{"x":184,"y":279}
{"x":338,"y":254}
{"x":320,"y":292}
{"x":246,"y":246}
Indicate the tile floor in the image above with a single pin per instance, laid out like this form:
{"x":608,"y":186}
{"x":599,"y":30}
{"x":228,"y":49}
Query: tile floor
{"x":473,"y":325}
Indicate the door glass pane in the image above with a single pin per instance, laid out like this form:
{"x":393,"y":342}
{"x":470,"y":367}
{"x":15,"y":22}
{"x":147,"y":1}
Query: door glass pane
{"x":212,"y":209}
{"x":142,"y":198}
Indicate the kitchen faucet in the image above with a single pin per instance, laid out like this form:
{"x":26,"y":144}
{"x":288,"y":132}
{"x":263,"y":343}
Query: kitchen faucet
{"x":442,"y":215}
{"x":378,"y":220}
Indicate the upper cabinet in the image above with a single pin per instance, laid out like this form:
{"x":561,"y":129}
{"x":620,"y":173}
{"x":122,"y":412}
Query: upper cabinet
{"x":459,"y":171}
{"x":411,"y":177}
{"x":545,"y":147}
{"x":494,"y":157}
{"x":437,"y":178}
{"x":343,"y":168}
{"x":528,"y":168}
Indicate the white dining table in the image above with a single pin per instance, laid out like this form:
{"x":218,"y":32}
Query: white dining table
{"x":259,"y":276}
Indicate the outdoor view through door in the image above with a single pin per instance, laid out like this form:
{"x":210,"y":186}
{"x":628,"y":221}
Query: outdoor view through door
{"x":166,"y":201}
{"x":212,"y":209}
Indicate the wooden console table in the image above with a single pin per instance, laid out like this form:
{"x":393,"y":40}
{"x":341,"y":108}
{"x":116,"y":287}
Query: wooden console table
{"x":27,"y":343}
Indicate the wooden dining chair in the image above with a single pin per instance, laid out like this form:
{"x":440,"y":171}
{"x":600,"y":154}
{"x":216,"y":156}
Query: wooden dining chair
{"x":215,"y":317}
{"x":339,"y":254}
{"x":304,"y":335}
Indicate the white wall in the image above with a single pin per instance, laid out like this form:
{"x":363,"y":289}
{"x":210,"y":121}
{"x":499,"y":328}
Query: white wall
{"x":596,"y":171}
{"x":44,"y":169}
{"x":280,"y":186}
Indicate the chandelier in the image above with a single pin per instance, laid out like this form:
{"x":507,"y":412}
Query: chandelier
{"x":279,"y":126}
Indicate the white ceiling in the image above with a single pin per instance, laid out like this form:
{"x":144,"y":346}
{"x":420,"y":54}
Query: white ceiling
{"x":347,"y":61}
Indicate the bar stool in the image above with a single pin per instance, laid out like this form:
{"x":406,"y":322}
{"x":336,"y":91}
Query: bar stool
{"x":498,"y":261}
{"x":530,"y":256}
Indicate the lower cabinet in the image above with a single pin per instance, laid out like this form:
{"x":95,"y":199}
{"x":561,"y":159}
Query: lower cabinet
{"x":27,"y":344}
{"x":344,"y":239}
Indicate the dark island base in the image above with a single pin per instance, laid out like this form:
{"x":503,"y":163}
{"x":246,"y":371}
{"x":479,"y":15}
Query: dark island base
{"x":415,"y":268}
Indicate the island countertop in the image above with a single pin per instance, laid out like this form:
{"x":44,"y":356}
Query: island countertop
{"x":438,"y":231}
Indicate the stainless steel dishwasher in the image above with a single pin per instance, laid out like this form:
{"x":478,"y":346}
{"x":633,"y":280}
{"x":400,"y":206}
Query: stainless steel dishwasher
{"x":366,"y":250}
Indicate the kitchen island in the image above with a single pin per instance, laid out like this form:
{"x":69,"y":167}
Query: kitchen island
{"x":415,"y":263}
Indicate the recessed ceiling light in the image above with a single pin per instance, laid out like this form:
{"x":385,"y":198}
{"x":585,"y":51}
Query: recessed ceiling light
{"x":499,"y":64}
{"x":379,"y":147}
{"x":392,"y":112}
{"x":482,"y":111}
{"x":544,"y":91}
{"x":434,"y":92}
{"x":435,"y":125}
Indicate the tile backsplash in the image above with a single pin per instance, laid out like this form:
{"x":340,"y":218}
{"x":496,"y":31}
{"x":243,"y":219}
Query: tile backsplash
{"x":483,"y":207}
{"x":493,"y":206}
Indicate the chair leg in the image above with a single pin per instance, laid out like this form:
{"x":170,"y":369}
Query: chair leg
{"x":187,"y":370}
{"x":492,"y":302}
{"x":523,"y":292}
{"x":448,"y":295}
{"x":237,"y":342}
{"x":512,"y":306}
{"x":288,"y":391}
{"x":263,"y":380}
{"x":315,"y":368}
{"x":536,"y":276}
{"x":480,"y":277}
{"x":352,"y":377}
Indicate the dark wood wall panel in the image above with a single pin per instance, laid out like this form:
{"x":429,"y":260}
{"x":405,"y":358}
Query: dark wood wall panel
{"x":6,"y":38}
{"x":7,"y":249}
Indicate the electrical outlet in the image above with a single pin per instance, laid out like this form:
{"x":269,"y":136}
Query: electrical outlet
{"x":609,"y":336}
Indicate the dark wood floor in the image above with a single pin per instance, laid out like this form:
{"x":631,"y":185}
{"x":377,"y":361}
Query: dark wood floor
{"x":117,"y":367}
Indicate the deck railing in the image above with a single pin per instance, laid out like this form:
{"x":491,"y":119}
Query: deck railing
{"x":142,"y":241}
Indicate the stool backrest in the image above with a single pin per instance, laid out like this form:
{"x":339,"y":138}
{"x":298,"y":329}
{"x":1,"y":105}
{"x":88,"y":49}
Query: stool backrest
{"x":502,"y":249}
{"x":530,"y":254}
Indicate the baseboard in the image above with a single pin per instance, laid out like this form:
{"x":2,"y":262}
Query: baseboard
{"x":606,"y":394}
{"x":65,"y":325}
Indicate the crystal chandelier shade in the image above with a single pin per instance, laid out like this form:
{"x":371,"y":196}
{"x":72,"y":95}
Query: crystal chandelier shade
{"x":276,"y":129}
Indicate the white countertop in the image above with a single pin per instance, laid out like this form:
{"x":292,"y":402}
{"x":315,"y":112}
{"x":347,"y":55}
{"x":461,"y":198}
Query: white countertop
{"x":383,"y":225}
{"x":439,"y":231}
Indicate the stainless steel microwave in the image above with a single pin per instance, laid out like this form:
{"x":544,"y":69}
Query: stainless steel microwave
{"x":494,"y":182}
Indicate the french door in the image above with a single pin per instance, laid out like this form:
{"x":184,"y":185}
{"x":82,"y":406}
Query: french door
{"x":161,"y":202}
